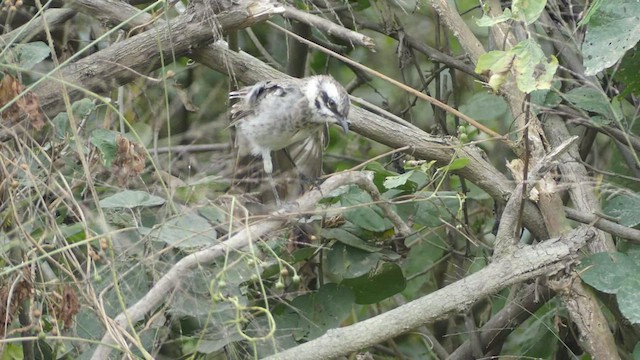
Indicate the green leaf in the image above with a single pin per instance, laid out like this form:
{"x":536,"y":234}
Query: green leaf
{"x":27,"y":55}
{"x":429,"y":212}
{"x":185,"y":232}
{"x":628,"y":73}
{"x":486,"y":20}
{"x":456,"y":164}
{"x":636,"y":351}
{"x":214,"y":214}
{"x":485,"y":107}
{"x":130,"y":199}
{"x":589,"y":99}
{"x":527,"y":62}
{"x":628,"y":296}
{"x":344,"y":261}
{"x":347,"y":238}
{"x":320,"y":311}
{"x":424,"y":252}
{"x":612,"y":30}
{"x":80,"y":108}
{"x":362,"y":5}
{"x":496,"y":61}
{"x":361,"y":214}
{"x":377,"y":168}
{"x":384,"y":281}
{"x":625,"y":207}
{"x":12,"y":351}
{"x":600,"y":120}
{"x":532,"y":70}
{"x":528,"y":10}
{"x":607,"y":271}
{"x":217,"y":338}
{"x":394,"y":181}
{"x":593,"y":7}
{"x":105,"y":141}
{"x":535,"y":338}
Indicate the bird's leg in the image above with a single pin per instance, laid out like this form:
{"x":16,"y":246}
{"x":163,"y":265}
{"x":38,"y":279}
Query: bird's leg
{"x":268,"y":168}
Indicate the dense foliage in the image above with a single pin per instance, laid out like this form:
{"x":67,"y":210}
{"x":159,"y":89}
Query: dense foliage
{"x":487,"y":206}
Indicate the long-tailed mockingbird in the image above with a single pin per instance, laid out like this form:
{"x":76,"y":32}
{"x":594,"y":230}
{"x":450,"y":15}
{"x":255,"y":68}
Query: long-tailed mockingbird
{"x":273,"y":115}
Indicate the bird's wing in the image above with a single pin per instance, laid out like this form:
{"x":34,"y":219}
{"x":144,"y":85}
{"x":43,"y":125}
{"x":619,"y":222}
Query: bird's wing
{"x":250,"y":98}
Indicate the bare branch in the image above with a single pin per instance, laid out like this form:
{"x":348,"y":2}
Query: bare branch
{"x":603,"y":224}
{"x":35,"y":26}
{"x":330,"y":28}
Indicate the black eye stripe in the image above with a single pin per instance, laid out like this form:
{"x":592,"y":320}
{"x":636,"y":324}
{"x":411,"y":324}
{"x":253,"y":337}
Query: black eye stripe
{"x":325,"y":97}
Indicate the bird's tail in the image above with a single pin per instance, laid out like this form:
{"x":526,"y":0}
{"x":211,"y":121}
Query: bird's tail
{"x":294,"y":169}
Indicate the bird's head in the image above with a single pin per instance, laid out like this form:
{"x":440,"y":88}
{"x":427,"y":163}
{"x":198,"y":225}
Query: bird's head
{"x":328,"y":100}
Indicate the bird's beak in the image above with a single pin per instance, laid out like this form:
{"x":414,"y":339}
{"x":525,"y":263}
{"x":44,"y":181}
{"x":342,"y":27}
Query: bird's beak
{"x":344,"y":123}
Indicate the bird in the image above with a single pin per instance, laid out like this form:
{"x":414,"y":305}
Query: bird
{"x":283,"y":114}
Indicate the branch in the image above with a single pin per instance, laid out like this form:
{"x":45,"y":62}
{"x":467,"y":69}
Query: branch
{"x":432,"y":53}
{"x":595,"y":336}
{"x":581,"y":303}
{"x":459,"y":28}
{"x":527,"y":263}
{"x":603,"y":224}
{"x":35,"y":26}
{"x":330,"y":28}
{"x":575,"y":176}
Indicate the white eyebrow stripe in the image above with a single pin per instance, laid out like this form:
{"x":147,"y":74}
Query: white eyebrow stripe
{"x":332,"y":91}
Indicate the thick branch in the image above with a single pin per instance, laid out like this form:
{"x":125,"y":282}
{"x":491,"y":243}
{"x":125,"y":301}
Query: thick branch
{"x":581,"y":303}
{"x":527,"y":263}
{"x":35,"y":26}
{"x":575,"y":176}
{"x":120,"y":63}
{"x":595,"y":336}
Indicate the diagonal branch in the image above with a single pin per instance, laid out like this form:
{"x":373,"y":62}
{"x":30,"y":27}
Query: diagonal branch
{"x":142,"y":53}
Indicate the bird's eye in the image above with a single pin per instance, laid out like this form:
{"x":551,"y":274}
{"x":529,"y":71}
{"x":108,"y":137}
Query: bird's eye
{"x":331,"y":103}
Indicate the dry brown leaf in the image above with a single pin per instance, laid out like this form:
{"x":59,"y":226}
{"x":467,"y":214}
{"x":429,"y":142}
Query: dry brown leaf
{"x":69,"y":308}
{"x":27,"y":105}
{"x":129,"y":160}
{"x":11,"y":296}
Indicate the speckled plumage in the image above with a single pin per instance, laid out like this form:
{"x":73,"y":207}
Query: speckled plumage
{"x":272,"y":115}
